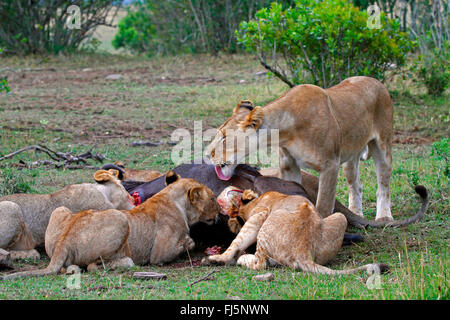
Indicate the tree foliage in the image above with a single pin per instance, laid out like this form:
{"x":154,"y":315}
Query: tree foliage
{"x":31,"y":26}
{"x":323,"y":42}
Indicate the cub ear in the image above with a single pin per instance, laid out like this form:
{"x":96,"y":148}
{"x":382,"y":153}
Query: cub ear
{"x":244,"y":104}
{"x":171,"y":177}
{"x":102,"y":176}
{"x":120,"y":164}
{"x":253,"y":120}
{"x":114,"y":172}
{"x":248,"y":196}
{"x":195,"y":194}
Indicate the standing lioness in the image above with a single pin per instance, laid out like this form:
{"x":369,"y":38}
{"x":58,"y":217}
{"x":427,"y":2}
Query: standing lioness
{"x":319,"y":129}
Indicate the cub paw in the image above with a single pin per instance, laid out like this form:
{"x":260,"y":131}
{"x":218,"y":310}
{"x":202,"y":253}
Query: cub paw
{"x":217,"y":259}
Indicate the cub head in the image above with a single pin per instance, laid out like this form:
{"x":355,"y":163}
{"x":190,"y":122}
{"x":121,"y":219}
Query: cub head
{"x":201,"y":198}
{"x":114,"y":192}
{"x":231,"y":144}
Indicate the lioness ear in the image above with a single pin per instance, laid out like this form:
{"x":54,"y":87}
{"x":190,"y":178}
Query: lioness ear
{"x":248,"y":196}
{"x":244,"y":104}
{"x":195,"y":194}
{"x":253,"y":120}
{"x":171,"y":177}
{"x":102,"y":176}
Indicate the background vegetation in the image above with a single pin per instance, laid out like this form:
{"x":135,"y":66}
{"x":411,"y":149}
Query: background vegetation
{"x":173,"y":69}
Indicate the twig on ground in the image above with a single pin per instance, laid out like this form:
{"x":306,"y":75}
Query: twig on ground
{"x":207,"y":277}
{"x":149,"y":275}
{"x":63,"y":160}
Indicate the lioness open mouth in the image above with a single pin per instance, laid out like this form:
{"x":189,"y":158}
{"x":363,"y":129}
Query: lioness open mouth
{"x":224,"y":172}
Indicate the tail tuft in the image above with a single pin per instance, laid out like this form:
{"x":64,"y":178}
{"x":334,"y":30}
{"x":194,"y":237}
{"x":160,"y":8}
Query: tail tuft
{"x":421,"y":191}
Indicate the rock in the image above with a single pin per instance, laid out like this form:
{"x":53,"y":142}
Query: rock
{"x":145,"y":143}
{"x":114,"y":77}
{"x":264,"y":277}
{"x":242,"y":81}
{"x":260,"y":73}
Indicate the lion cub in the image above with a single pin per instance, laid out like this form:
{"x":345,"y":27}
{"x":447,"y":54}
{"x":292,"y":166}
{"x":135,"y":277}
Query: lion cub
{"x":155,"y":232}
{"x":288,"y":231}
{"x":24,"y":217}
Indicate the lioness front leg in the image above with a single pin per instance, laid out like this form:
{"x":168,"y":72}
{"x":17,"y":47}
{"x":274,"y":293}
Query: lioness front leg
{"x":327,"y":189}
{"x":245,"y":238}
{"x":351,"y":173}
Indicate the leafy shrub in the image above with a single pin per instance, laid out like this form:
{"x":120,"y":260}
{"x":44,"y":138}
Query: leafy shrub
{"x":323,"y":42}
{"x":137,"y":32}
{"x":3,"y":81}
{"x":41,"y":26}
{"x":440,"y":151}
{"x":4,"y":85}
{"x":432,"y":70}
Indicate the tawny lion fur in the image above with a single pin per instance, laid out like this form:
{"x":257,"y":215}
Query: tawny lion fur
{"x":320,"y":129}
{"x":138,"y":175}
{"x":289,"y":231}
{"x":154,"y":232}
{"x":24,"y":217}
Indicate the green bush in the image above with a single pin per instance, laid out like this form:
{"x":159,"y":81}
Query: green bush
{"x":137,"y":32}
{"x":440,"y":151}
{"x":323,"y":42}
{"x":3,"y":81}
{"x":431,"y":66}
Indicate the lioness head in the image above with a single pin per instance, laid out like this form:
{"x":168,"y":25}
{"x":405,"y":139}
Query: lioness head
{"x":116,"y":193}
{"x":231,"y":144}
{"x":200,"y":196}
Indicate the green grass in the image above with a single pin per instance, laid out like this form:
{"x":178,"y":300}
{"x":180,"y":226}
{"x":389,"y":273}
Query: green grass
{"x":67,"y":104}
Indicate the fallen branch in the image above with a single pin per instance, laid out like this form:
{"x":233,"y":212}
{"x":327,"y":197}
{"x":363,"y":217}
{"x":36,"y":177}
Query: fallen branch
{"x":149,"y":275}
{"x":63,"y":160}
{"x":207,"y":277}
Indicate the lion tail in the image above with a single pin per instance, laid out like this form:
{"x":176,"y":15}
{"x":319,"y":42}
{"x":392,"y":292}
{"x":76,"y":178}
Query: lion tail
{"x":310,"y":266}
{"x":56,"y":263}
{"x":358,"y":221}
